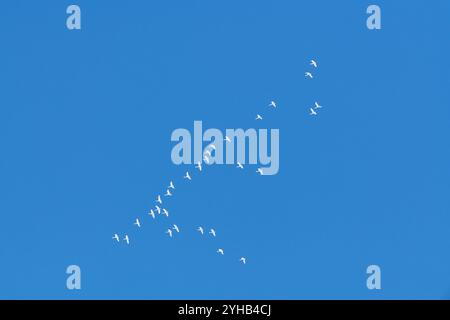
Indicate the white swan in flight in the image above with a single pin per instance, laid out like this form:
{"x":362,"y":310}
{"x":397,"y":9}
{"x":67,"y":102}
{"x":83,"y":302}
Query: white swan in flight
{"x":212,"y":232}
{"x":239,"y":165}
{"x":206,"y":159}
{"x":313,"y":63}
{"x":152,"y":213}
{"x":169,"y":232}
{"x":260,"y":171}
{"x":199,"y":166}
{"x":165,"y":212}
{"x":127,"y":239}
{"x":200,"y":229}
{"x":138,"y":223}
{"x":187,"y":176}
{"x":317,"y":105}
{"x":243,"y":260}
{"x":273,"y":104}
{"x":158,"y":209}
{"x":116,"y":237}
{"x":309,"y":75}
{"x":312,"y":112}
{"x":258,"y":117}
{"x":227,"y":139}
{"x":168,"y":193}
{"x":158,"y":200}
{"x":175,"y":227}
{"x":171,"y":185}
{"x":220,"y":251}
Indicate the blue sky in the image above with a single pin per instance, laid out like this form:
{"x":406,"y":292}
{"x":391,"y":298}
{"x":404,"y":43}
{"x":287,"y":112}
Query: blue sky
{"x":85,"y":124}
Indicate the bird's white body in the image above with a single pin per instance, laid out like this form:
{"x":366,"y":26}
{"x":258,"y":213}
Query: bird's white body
{"x":168,"y":193}
{"x":152,"y":214}
{"x":200,"y":229}
{"x":227,"y":139}
{"x":127,"y":239}
{"x":206,"y":159}
{"x":317,"y":105}
{"x":313,"y":63}
{"x":199,"y":166}
{"x":258,"y":117}
{"x":312,"y":112}
{"x":309,"y":75}
{"x":273,"y":104}
{"x":260,"y":171}
{"x":220,"y":251}
{"x":169,"y":232}
{"x":158,"y":209}
{"x":240,"y":166}
{"x":116,"y":237}
{"x":187,"y":176}
{"x":137,"y":223}
{"x":212,"y":232}
{"x":158,"y":199}
{"x":165,"y":212}
{"x":243,"y":260}
{"x":171,"y":185}
{"x":175,"y":227}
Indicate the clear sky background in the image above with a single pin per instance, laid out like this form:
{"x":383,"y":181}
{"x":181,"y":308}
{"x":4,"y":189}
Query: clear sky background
{"x":85,"y":124}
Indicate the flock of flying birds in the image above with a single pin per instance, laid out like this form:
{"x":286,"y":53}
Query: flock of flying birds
{"x":159,"y":210}
{"x":313,"y":110}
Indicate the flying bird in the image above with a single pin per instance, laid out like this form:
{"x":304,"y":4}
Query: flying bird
{"x":175,"y":227}
{"x":169,"y":232}
{"x":138,"y":223}
{"x":207,"y":152}
{"x":273,"y":104}
{"x":260,"y":171}
{"x":158,"y":199}
{"x":171,"y":185}
{"x":200,"y":229}
{"x":187,"y":176}
{"x":127,"y":239}
{"x":152,"y":214}
{"x":206,"y":159}
{"x":158,"y":209}
{"x":220,"y":251}
{"x":227,"y":139}
{"x":199,"y":166}
{"x":317,"y":105}
{"x":243,"y":260}
{"x":312,"y":112}
{"x":313,"y":63}
{"x":309,"y":75}
{"x":168,"y":193}
{"x":258,"y":117}
{"x":166,"y":212}
{"x":116,"y":237}
{"x":212,"y":232}
{"x":240,"y":166}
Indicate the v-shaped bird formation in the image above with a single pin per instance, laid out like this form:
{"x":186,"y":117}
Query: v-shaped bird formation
{"x":159,"y":210}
